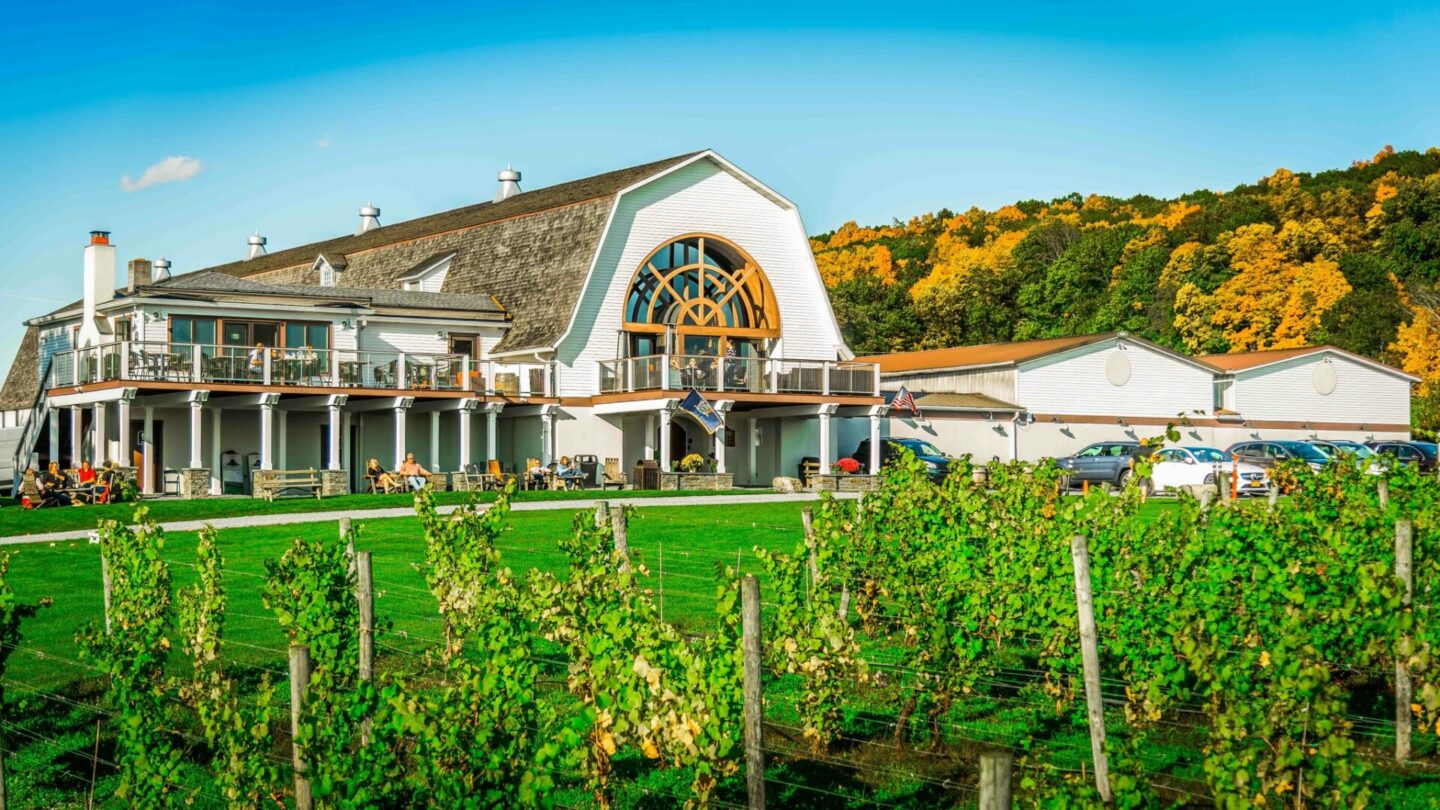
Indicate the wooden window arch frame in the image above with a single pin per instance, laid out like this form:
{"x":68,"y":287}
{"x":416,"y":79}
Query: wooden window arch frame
{"x":762,"y":305}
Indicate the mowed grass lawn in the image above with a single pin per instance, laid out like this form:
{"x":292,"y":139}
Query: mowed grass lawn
{"x":15,"y":521}
{"x":685,"y":542}
{"x":680,"y":545}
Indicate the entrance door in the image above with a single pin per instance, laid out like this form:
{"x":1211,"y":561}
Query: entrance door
{"x":137,"y":454}
{"x":677,"y":445}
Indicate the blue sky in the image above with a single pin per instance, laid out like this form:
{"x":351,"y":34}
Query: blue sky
{"x":297,"y":114}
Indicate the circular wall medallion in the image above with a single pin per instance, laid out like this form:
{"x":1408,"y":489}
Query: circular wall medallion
{"x":1324,"y":378}
{"x":1117,"y":368}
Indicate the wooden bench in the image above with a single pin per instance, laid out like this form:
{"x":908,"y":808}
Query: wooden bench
{"x":275,"y":482}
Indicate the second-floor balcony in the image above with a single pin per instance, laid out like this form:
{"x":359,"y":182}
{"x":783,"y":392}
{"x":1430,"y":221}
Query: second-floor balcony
{"x":139,"y":361}
{"x":756,"y":375}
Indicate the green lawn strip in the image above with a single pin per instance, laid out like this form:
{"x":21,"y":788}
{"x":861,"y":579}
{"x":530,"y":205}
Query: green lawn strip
{"x":15,"y":522}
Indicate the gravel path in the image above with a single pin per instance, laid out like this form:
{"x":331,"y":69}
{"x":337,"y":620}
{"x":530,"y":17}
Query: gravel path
{"x":400,"y":512}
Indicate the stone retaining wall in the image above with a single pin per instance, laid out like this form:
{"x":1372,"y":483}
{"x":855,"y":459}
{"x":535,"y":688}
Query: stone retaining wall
{"x":195,"y":482}
{"x":683,"y":480}
{"x":844,"y":483}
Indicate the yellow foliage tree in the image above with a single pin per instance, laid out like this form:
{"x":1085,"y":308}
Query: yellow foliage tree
{"x":956,"y":263}
{"x":1417,"y":346}
{"x":838,"y":266}
{"x":1275,"y":299}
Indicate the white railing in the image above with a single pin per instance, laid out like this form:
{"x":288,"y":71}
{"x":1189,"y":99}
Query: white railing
{"x":142,"y":361}
{"x":681,"y":372}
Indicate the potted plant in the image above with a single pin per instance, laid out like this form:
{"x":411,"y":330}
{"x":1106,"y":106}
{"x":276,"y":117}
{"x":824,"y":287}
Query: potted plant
{"x":845,"y":466}
{"x":692,"y":463}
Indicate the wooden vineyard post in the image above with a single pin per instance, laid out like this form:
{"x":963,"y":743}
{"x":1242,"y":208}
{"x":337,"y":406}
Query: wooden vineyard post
{"x":349,"y":542}
{"x":995,"y":770}
{"x":602,"y":513}
{"x":299,"y":679}
{"x":105,"y":588}
{"x":1404,"y":689}
{"x":1382,"y":493}
{"x":807,"y":518}
{"x":365,"y":595}
{"x":619,"y":526}
{"x":1090,"y":655}
{"x":1273,"y":496}
{"x":754,"y":696}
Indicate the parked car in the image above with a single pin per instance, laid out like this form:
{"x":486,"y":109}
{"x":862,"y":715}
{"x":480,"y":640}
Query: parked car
{"x":1102,"y":462}
{"x":937,"y":464}
{"x":1270,"y":452}
{"x":1175,"y":467}
{"x":1421,"y":453}
{"x":1363,"y":456}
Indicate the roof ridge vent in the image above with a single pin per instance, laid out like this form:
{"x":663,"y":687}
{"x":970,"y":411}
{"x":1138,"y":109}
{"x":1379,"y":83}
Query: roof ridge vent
{"x":162,"y":268}
{"x":257,"y":246}
{"x":369,"y":219}
{"x":509,"y":183}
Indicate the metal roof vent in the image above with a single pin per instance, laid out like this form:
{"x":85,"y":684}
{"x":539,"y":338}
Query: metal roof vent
{"x":257,"y":246}
{"x":369,"y":219}
{"x":162,"y":268}
{"x":509,"y":184}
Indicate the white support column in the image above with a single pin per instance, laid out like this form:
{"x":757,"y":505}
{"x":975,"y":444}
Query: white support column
{"x":122,"y":431}
{"x":99,"y":447}
{"x":752,"y":434}
{"x":665,"y":437}
{"x":492,"y":445}
{"x":217,"y":461}
{"x":282,"y":442}
{"x":547,"y":434}
{"x":77,"y":438}
{"x":267,"y":430}
{"x":722,"y":407}
{"x":402,"y":405}
{"x":197,"y":429}
{"x":649,"y":436}
{"x":433,"y":462}
{"x":54,"y":425}
{"x":826,"y":411}
{"x":875,"y":417}
{"x":464,"y":416}
{"x":147,"y":453}
{"x":336,"y":431}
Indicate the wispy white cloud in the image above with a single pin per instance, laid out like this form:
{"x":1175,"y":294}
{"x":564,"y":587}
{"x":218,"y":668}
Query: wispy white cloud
{"x":170,"y":170}
{"x":324,"y":141}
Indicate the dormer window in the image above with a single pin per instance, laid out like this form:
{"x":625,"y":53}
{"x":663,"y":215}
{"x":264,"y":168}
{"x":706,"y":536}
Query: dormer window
{"x":328,"y":268}
{"x":327,"y":275}
{"x":429,"y":275}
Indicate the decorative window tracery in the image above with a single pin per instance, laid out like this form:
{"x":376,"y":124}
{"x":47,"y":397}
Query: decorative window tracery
{"x":704,"y":285}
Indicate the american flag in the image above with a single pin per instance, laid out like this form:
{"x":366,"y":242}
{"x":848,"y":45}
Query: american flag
{"x":904,"y":401}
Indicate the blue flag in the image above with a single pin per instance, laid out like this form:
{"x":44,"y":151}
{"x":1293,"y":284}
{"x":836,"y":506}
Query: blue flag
{"x":698,"y":407}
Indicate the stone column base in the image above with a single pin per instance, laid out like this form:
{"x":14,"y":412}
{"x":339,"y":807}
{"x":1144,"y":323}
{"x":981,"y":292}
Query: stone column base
{"x":195,"y":483}
{"x":334,"y":482}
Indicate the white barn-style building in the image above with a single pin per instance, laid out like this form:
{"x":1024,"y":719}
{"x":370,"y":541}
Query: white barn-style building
{"x":1049,"y":398}
{"x":568,"y":320}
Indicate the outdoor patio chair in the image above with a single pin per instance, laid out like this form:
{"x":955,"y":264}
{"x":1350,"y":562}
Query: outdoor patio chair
{"x":612,"y":477}
{"x":495,"y":477}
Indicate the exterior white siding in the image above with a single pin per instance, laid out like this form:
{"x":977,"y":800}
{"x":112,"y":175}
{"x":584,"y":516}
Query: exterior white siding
{"x":400,"y":337}
{"x":1286,"y":391}
{"x":1075,"y":382}
{"x":701,"y":197}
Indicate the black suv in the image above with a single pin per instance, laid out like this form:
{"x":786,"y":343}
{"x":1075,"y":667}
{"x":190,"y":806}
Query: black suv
{"x":1102,"y":462}
{"x":1421,"y":453}
{"x":937,"y":464}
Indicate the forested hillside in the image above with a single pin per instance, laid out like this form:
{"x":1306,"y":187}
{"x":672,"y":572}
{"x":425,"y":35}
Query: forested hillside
{"x":1349,"y":257}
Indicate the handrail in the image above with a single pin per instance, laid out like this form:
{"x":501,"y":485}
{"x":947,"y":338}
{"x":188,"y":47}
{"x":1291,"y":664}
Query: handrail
{"x":29,"y":434}
{"x":719,"y":374}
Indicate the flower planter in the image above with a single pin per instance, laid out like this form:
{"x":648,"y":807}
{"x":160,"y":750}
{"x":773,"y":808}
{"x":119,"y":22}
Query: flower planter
{"x":696,"y":480}
{"x":844,"y":483}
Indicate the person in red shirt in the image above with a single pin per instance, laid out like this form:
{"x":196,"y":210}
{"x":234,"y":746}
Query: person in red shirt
{"x":86,"y":476}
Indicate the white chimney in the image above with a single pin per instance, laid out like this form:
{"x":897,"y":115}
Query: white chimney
{"x":257,"y":246}
{"x":99,"y":287}
{"x":509,"y":184}
{"x":369,"y":219}
{"x":162,"y":268}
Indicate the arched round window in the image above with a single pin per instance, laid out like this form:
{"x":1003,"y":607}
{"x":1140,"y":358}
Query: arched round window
{"x":702,"y":284}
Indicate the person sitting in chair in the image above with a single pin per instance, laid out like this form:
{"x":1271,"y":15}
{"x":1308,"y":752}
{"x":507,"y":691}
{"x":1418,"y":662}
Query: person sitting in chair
{"x":568,"y":474}
{"x":53,"y":484}
{"x":87,"y":483}
{"x":416,"y":477}
{"x":257,"y":359}
{"x":380,"y":480}
{"x":537,"y":472}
